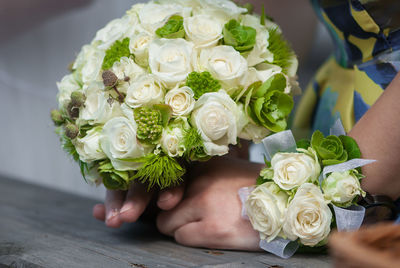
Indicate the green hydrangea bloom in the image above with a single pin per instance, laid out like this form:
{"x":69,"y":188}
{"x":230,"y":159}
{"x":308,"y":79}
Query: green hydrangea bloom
{"x":202,"y":83}
{"x":242,"y":38}
{"x":118,"y":50}
{"x":173,"y":28}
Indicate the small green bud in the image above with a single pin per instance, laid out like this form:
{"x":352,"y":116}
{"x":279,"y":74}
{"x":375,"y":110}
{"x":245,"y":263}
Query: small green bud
{"x":57,"y":117}
{"x":71,"y":131}
{"x":78,"y":98}
{"x":249,"y":7}
{"x":109,"y":78}
{"x":73,"y":111}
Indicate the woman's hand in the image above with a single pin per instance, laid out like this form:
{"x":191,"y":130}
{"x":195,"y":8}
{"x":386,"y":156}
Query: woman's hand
{"x":210,"y":213}
{"x":127,"y":206}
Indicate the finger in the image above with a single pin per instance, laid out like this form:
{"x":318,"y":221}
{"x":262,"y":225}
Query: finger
{"x":169,"y":221}
{"x":169,"y":198}
{"x":99,"y":212}
{"x":113,"y":204}
{"x":135,"y":203}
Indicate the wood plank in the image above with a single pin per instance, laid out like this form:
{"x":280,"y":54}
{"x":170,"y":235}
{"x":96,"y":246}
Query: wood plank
{"x":41,"y":227}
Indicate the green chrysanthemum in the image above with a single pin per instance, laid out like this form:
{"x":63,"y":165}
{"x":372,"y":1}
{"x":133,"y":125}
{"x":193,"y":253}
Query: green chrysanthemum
{"x":118,"y":50}
{"x":283,"y":54}
{"x":202,"y":83}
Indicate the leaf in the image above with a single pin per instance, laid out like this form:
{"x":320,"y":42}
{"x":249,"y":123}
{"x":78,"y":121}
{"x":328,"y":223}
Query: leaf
{"x":351,"y":146}
{"x":262,"y":18}
{"x":166,"y":113}
{"x":316,"y":139}
{"x":303,"y":144}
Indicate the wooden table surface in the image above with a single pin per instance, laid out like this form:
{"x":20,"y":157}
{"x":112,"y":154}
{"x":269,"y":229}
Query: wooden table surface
{"x":41,"y":227}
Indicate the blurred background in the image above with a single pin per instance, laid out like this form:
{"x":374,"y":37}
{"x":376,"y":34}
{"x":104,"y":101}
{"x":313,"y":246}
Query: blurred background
{"x":38,"y":40}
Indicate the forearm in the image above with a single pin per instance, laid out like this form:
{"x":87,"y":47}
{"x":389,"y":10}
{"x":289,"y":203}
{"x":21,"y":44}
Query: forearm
{"x":378,"y":135}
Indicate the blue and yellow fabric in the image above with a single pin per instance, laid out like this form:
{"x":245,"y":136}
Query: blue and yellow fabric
{"x":366,"y":34}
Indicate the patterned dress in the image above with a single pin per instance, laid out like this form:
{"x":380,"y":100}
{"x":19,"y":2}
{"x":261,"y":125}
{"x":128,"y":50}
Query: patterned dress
{"x":366,"y":35}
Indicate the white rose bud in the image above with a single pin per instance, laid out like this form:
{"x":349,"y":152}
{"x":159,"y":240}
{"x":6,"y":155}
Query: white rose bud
{"x":181,"y":100}
{"x":171,"y":142}
{"x":203,"y":30}
{"x":216,"y":116}
{"x":146,"y":90}
{"x":294,"y":169}
{"x":308,"y":217}
{"x":125,"y":69}
{"x":225,"y":64}
{"x":139,"y":46}
{"x":153,"y":16}
{"x":97,"y":109}
{"x":91,"y":67}
{"x":170,"y":60}
{"x":341,"y":187}
{"x":112,"y":32}
{"x":266,"y":208}
{"x":118,"y":141}
{"x":67,"y":85}
{"x":88,"y":147}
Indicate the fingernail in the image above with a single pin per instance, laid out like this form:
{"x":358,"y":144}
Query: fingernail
{"x":165,"y":196}
{"x":112,"y":213}
{"x":126,"y":207}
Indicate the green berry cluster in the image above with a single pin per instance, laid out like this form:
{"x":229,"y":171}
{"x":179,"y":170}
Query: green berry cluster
{"x":202,"y":83}
{"x":149,"y":124}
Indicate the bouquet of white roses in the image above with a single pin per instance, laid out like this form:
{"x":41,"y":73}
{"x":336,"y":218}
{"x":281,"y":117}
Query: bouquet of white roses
{"x":306,"y":189}
{"x":172,"y":82}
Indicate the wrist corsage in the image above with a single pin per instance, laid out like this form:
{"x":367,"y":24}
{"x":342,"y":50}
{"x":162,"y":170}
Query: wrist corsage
{"x":306,"y":189}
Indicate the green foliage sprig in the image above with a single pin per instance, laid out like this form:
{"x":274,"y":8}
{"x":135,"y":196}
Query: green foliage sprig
{"x":158,"y":169}
{"x":281,"y":49}
{"x":202,"y":83}
{"x":194,"y":145}
{"x":117,"y":50}
{"x":173,"y":28}
{"x":242,"y":38}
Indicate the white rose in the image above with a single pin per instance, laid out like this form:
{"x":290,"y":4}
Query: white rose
{"x":203,"y":30}
{"x":113,"y":31}
{"x":145,"y":90}
{"x":260,"y":52}
{"x":139,"y":46}
{"x":170,"y":60}
{"x":123,"y":68}
{"x":88,"y":147}
{"x":153,"y":16}
{"x":294,"y":169}
{"x":181,"y":100}
{"x":171,"y":142}
{"x":308,"y":217}
{"x":216,"y":116}
{"x":66,"y":86}
{"x":266,"y":208}
{"x":92,"y":62}
{"x":223,"y":9}
{"x":341,"y":187}
{"x":118,"y":141}
{"x":97,"y":109}
{"x":225,"y":64}
{"x":254,"y":133}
